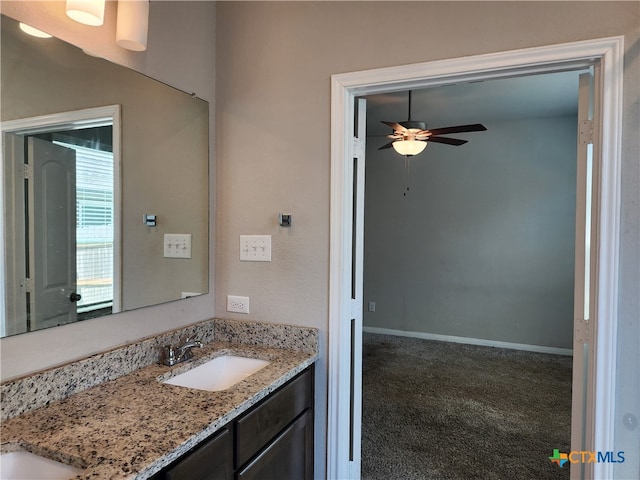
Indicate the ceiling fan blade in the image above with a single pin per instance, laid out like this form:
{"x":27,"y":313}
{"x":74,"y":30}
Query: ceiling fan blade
{"x":386,"y":145}
{"x":395,"y":126}
{"x":476,"y":127}
{"x":449,"y":141}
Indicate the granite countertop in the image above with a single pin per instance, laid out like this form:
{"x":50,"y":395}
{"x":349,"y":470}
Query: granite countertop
{"x":133,"y":426}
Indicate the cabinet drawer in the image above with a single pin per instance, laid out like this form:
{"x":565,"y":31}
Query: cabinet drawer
{"x":288,"y":457}
{"x":271,"y":416}
{"x":210,"y":461}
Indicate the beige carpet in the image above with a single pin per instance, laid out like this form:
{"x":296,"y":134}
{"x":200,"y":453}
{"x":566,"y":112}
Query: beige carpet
{"x":438,"y":410}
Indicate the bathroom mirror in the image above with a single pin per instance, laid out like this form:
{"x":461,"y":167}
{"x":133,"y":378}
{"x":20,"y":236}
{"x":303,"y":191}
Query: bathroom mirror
{"x":104,"y":186}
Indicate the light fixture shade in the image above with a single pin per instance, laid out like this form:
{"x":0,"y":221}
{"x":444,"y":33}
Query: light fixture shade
{"x":409,"y":147}
{"x":89,"y":12}
{"x":133,"y":24}
{"x":33,"y":31}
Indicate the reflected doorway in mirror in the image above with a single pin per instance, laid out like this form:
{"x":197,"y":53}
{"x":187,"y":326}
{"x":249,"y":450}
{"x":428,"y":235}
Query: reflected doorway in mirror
{"x":61,"y":176}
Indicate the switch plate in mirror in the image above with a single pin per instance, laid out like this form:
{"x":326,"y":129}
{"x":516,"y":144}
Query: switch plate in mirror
{"x":177,"y":245}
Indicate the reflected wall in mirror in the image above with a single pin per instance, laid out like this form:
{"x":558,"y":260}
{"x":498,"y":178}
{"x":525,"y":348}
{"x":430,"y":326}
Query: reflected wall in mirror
{"x":89,"y":149}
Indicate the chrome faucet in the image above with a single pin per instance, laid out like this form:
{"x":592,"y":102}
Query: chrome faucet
{"x":173,"y":355}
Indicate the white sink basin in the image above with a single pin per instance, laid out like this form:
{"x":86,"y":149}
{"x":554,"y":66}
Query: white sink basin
{"x":218,"y":374}
{"x":23,"y":465}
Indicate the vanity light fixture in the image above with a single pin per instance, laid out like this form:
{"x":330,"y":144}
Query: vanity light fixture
{"x":88,"y":12}
{"x":33,"y":31}
{"x":133,"y":24}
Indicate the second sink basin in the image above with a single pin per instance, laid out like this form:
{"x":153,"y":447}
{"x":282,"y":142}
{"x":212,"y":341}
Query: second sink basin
{"x":218,"y":374}
{"x":21,"y":465}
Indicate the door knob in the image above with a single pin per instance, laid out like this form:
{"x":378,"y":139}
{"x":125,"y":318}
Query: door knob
{"x":74,"y":297}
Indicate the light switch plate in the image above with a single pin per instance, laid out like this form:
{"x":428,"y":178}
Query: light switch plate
{"x":177,"y":245}
{"x":255,"y":248}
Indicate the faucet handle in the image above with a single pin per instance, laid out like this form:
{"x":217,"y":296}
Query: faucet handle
{"x":168,"y":356}
{"x":190,"y":341}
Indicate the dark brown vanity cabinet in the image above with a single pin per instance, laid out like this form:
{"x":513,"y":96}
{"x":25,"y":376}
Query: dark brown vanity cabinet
{"x":289,"y":456}
{"x":272,"y":440}
{"x":211,"y":460}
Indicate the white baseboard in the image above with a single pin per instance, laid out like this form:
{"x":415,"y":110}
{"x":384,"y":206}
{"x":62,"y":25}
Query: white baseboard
{"x":471,"y":341}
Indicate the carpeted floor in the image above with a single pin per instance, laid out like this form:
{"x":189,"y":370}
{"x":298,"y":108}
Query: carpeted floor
{"x":439,"y":410}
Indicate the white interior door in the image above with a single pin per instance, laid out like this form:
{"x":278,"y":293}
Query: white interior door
{"x":584,"y":302}
{"x":357,"y":272}
{"x":52,"y":234}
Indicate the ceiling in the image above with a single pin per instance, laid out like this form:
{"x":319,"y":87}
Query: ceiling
{"x":498,"y":100}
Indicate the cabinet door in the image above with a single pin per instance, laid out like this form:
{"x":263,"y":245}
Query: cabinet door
{"x":288,"y":457}
{"x":213,"y":460}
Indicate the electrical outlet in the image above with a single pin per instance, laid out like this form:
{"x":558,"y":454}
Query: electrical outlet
{"x":237,"y":304}
{"x":372,"y":306}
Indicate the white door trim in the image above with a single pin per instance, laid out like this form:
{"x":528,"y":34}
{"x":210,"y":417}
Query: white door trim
{"x":345,"y":87}
{"x":79,"y":119}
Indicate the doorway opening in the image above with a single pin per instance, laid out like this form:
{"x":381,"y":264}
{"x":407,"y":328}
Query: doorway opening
{"x":345,"y":325}
{"x":61,"y":187}
{"x":477,"y":248}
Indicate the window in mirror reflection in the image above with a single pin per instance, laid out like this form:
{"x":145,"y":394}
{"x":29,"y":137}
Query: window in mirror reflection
{"x":94,"y":228}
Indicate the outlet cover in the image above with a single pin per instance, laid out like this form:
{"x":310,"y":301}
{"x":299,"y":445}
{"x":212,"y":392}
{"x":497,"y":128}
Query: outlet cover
{"x":237,"y":304}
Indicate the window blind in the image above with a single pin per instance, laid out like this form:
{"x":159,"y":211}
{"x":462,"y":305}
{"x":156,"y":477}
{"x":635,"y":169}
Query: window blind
{"x":94,"y":227}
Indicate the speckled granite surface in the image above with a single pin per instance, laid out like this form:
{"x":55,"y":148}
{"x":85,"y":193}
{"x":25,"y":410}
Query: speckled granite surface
{"x":37,"y":390}
{"x":133,"y":425}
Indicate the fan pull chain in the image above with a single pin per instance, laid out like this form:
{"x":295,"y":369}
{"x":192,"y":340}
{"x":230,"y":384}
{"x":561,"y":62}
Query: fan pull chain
{"x":407,"y":162}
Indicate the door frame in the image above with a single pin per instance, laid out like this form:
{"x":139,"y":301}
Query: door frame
{"x":345,"y":88}
{"x":76,"y":119}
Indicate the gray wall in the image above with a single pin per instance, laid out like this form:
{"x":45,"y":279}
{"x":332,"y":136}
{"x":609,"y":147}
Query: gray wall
{"x":482,"y":244}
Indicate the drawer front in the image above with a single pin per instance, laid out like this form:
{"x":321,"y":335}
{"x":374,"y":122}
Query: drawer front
{"x":268,"y":419}
{"x":288,"y":457}
{"x":213,"y":460}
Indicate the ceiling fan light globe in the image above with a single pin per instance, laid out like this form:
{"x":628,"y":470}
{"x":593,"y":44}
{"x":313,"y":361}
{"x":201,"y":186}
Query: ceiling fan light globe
{"x":409,"y":147}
